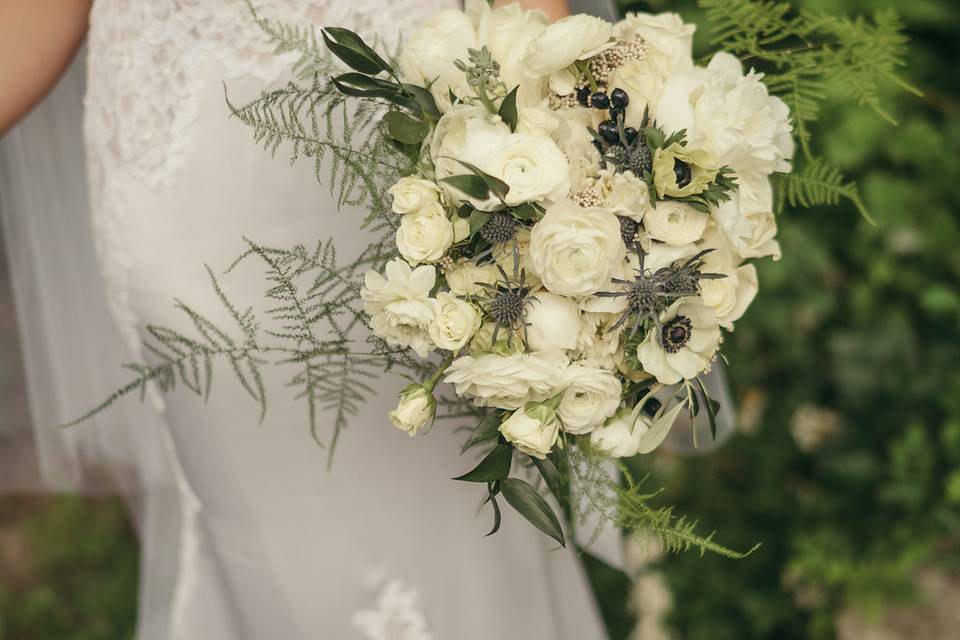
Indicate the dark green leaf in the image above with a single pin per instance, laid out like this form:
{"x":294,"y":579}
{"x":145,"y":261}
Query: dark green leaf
{"x":473,"y":186}
{"x":347,"y":40}
{"x":488,"y":429}
{"x":508,"y":109}
{"x":526,"y":211}
{"x":406,"y":129}
{"x":552,"y":477}
{"x":425,"y":100}
{"x":653,"y":136}
{"x":712,"y":407}
{"x":524,"y":498}
{"x":493,"y":488}
{"x":497,"y":186}
{"x":496,"y":466}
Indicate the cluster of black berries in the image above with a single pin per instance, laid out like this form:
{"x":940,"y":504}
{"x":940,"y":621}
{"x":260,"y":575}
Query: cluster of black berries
{"x":614,"y":104}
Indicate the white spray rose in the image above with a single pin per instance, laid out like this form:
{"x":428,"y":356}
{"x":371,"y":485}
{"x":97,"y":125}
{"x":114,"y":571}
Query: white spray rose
{"x":675,"y":223}
{"x":427,"y":58}
{"x":690,"y":338}
{"x":399,"y":304}
{"x":620,"y":436}
{"x":553,"y":322}
{"x":591,"y":396}
{"x":507,"y":381}
{"x":533,"y":429}
{"x":574,"y":251}
{"x":668,"y":38}
{"x":425,"y":236}
{"x":415,"y":410}
{"x":573,"y":38}
{"x":412,"y":195}
{"x":454,"y":323}
{"x":465,"y":277}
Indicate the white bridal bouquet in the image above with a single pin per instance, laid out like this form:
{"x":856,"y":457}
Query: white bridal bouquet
{"x":564,"y":220}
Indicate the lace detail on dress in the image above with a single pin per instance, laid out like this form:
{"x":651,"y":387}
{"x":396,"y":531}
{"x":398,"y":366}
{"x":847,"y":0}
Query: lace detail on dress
{"x":144,"y":77}
{"x":396,"y":615}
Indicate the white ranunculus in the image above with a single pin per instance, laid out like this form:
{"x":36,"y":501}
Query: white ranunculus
{"x":729,"y":115}
{"x":573,"y":38}
{"x":675,"y":223}
{"x":591,"y":395}
{"x":690,"y":338}
{"x":748,"y":221}
{"x":428,"y":56}
{"x":399,"y":305}
{"x":465,"y":277}
{"x":507,"y":32}
{"x":533,"y":429}
{"x":620,"y":436}
{"x":574,"y":251}
{"x":553,"y":321}
{"x":532,"y":165}
{"x":415,"y":410}
{"x":668,"y":38}
{"x":454,"y":323}
{"x":425,"y":236}
{"x":412,"y":195}
{"x":729,"y":296}
{"x":507,"y":381}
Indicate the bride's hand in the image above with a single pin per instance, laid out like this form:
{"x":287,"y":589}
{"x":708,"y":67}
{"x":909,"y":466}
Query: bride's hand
{"x":37,"y":41}
{"x":555,"y":9}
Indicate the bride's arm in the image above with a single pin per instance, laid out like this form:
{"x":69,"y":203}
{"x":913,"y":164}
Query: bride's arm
{"x":37,"y":41}
{"x":555,"y":9}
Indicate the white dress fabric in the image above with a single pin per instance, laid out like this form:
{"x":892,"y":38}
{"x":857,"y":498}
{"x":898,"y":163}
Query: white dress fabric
{"x":264,"y":541}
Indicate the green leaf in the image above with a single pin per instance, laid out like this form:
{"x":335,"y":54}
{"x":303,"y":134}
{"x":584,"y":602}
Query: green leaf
{"x":524,"y":498}
{"x":405,"y":128}
{"x":496,"y":466}
{"x":488,"y":429}
{"x":473,"y":186}
{"x":508,"y":109}
{"x":354,"y":52}
{"x":550,"y":474}
{"x":477,"y":220}
{"x":653,"y":136}
{"x":526,"y":211}
{"x":712,"y":407}
{"x":493,"y":488}
{"x":659,"y":430}
{"x":428,"y":105}
{"x":497,"y":186}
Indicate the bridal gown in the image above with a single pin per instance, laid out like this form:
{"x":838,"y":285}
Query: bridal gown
{"x":269,"y":543}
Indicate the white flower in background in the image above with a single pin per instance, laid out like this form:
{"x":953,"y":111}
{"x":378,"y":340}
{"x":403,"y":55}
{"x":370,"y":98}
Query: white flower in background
{"x":690,"y":338}
{"x":507,"y":381}
{"x":668,"y":38}
{"x":425,"y":236}
{"x":574,"y":251}
{"x":399,"y":305}
{"x":465,"y":277}
{"x":748,"y":221}
{"x":455,"y":322}
{"x":597,"y":344}
{"x":573,"y":38}
{"x":675,"y":222}
{"x":553,"y":322}
{"x":537,"y":121}
{"x":533,"y":429}
{"x":620,"y":436}
{"x":591,"y":395}
{"x":729,"y":115}
{"x":507,"y":32}
{"x":415,"y":410}
{"x":574,"y":140}
{"x":412,"y":195}
{"x":729,"y":296}
{"x":428,"y":56}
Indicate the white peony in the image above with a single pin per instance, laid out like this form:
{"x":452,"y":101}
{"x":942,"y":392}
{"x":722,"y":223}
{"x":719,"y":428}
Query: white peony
{"x":675,"y":223}
{"x":730,"y":115}
{"x":623,"y":193}
{"x":573,"y":38}
{"x":428,"y":56}
{"x":415,"y":410}
{"x":591,"y":395}
{"x":425,"y":236}
{"x":553,"y":322}
{"x":574,"y":251}
{"x":507,"y":381}
{"x":465,"y":277}
{"x":620,"y":436}
{"x":412,"y":195}
{"x":748,"y":221}
{"x":399,"y":304}
{"x":454,"y":323}
{"x":669,"y":40}
{"x":533,"y":429}
{"x":690,"y":338}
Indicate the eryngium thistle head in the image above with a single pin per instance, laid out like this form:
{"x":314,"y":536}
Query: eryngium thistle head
{"x":500,"y":228}
{"x":506,"y":309}
{"x":628,"y":231}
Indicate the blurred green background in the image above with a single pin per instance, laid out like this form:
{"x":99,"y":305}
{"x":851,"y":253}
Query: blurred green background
{"x":846,"y":371}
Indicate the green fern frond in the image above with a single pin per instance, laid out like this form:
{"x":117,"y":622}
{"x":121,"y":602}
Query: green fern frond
{"x":815,"y":185}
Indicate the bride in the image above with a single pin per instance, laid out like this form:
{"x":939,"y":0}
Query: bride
{"x":246,"y":534}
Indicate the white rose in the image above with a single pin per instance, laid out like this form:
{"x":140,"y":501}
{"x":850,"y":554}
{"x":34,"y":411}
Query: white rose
{"x":591,"y":396}
{"x":620,"y":436}
{"x":643,"y":82}
{"x":454,"y":323}
{"x":428,"y":56}
{"x":533,"y":429}
{"x":574,"y":251}
{"x":675,"y":223}
{"x":412,"y":195}
{"x":748,"y":221}
{"x":573,"y":38}
{"x":425,"y":236}
{"x":507,"y":381}
{"x":668,"y":38}
{"x":415,"y":410}
{"x":553,"y":322}
{"x":507,"y":32}
{"x":465,"y":277}
{"x":399,"y":304}
{"x":690,"y":338}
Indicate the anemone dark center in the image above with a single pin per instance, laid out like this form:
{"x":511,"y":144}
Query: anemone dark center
{"x":500,"y":228}
{"x":682,"y":173}
{"x":676,"y":334}
{"x":507,"y":307}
